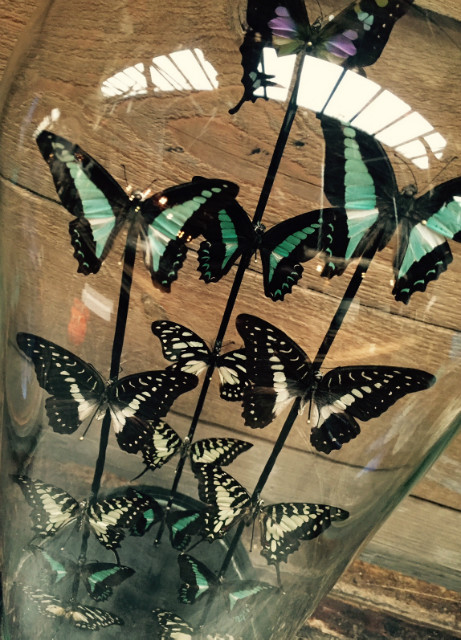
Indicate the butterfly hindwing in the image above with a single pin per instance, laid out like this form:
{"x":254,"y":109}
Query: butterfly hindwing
{"x":284,"y":525}
{"x":161,"y":445}
{"x":79,"y":615}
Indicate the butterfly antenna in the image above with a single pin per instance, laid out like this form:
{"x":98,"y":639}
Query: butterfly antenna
{"x":140,"y":474}
{"x":193,"y":546}
{"x":437,"y":175}
{"x":89,"y":423}
{"x":408,"y":166}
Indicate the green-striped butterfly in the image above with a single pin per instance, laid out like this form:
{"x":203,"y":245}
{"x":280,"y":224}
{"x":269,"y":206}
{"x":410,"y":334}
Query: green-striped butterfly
{"x":165,"y":221}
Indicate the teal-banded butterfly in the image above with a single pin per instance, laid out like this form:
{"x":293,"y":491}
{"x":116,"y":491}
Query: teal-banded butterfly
{"x":354,"y":38}
{"x":283,"y":247}
{"x":197,"y":580}
{"x":190,"y":354}
{"x":282,"y":526}
{"x":52,"y":509}
{"x":359,"y":179}
{"x":281,"y":371}
{"x":78,"y":615}
{"x":166,"y":221}
{"x":79,"y":393}
{"x":182,"y":526}
{"x":99,"y":578}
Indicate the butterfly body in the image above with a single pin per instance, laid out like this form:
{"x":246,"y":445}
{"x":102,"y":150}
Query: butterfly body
{"x":359,"y":177}
{"x":165,"y":221}
{"x":281,"y":371}
{"x":79,"y":392}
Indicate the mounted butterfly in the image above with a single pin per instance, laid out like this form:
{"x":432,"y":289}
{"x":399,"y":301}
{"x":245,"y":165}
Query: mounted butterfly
{"x":280,"y":372}
{"x":78,"y":392}
{"x":282,"y":526}
{"x":354,"y":38}
{"x":165,"y":222}
{"x":78,"y":615}
{"x":53,"y":509}
{"x":198,"y":580}
{"x":99,"y":578}
{"x":163,"y":443}
{"x":190,"y":354}
{"x":231,"y":235}
{"x":360,"y":182}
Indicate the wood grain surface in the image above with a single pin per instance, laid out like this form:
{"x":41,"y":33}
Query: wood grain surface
{"x":421,"y":538}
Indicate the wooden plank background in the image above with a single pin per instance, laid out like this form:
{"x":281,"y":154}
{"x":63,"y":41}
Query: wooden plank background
{"x":407,"y":542}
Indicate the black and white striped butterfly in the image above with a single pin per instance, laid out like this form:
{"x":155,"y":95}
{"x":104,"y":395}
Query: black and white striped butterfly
{"x":190,"y":353}
{"x":280,"y":372}
{"x":79,"y":615}
{"x":99,"y":578}
{"x":282,"y":526}
{"x":78,"y":392}
{"x":53,"y":509}
{"x":165,"y":221}
{"x":197,"y":580}
{"x":360,"y":181}
{"x":231,"y":234}
{"x":173,"y":627}
{"x":163,"y":442}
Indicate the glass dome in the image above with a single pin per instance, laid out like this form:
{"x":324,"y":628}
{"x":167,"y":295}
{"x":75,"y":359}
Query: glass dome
{"x":231,"y":339}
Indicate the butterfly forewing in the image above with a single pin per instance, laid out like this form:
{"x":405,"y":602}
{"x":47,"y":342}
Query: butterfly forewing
{"x":81,"y":616}
{"x":88,"y":192}
{"x":160,"y":445}
{"x":176,"y":216}
{"x":76,"y":387}
{"x":136,"y":399}
{"x":196,"y":578}
{"x":182,"y":346}
{"x":228,"y":501}
{"x":346,"y":393}
{"x":100,"y":578}
{"x":52,"y":508}
{"x":284,"y":525}
{"x":218,"y":451}
{"x":173,"y":627}
{"x":278,"y":368}
{"x":183,"y":525}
